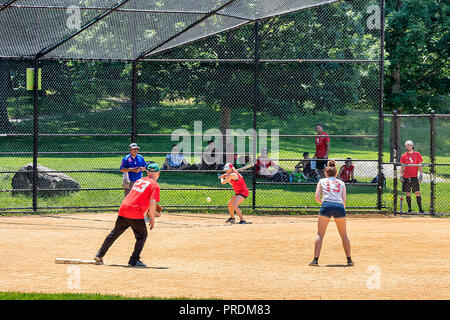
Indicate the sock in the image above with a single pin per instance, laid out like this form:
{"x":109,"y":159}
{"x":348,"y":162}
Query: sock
{"x":419,"y":202}
{"x":408,"y":200}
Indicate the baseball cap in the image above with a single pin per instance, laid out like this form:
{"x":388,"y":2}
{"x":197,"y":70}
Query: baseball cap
{"x":228,"y":166}
{"x":134,"y":146}
{"x":409,"y":142}
{"x":153,"y":167}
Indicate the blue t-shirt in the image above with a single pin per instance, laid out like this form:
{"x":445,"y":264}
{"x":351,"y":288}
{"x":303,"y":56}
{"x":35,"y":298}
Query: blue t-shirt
{"x":129,"y":162}
{"x":175,"y":160}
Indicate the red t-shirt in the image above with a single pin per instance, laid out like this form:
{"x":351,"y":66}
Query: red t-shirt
{"x":239,"y":186}
{"x":410,"y":158}
{"x":263,"y":163}
{"x":346,"y":173}
{"x":137,"y":202}
{"x":321,"y":145}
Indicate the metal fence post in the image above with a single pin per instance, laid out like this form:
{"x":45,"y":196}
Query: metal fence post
{"x":255,"y":107}
{"x":134,"y":102}
{"x":433,"y":161}
{"x":380,"y":112}
{"x":394,"y":123}
{"x":35,"y":132}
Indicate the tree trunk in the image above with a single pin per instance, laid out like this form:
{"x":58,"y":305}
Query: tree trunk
{"x":225,"y":118}
{"x":396,"y":76}
{"x":396,"y":88}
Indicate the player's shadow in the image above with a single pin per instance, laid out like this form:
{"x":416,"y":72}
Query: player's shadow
{"x":337,"y":266}
{"x":126,"y":266}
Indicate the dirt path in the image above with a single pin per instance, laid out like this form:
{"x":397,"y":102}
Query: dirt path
{"x":198,"y":256}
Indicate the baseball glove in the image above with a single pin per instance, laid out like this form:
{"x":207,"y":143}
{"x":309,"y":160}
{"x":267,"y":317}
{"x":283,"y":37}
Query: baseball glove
{"x":158,"y":210}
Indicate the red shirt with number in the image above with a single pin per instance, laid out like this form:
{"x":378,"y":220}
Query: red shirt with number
{"x":263,"y":163}
{"x":410,"y":158}
{"x":346,"y":173}
{"x":321,"y":145}
{"x":332,"y":189}
{"x":137,"y":202}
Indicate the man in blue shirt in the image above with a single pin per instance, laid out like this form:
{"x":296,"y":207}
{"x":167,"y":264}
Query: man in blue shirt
{"x":132,"y":165}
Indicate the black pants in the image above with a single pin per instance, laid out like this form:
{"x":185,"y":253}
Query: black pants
{"x":140,"y":233}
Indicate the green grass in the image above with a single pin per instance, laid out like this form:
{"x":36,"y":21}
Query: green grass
{"x":74,"y":296}
{"x":168,"y":116}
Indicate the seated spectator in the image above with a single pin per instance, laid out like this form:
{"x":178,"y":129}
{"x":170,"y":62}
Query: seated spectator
{"x":383,"y":179}
{"x":304,"y":166}
{"x":297,"y":176}
{"x":209,"y":161}
{"x":231,"y":157}
{"x":175,"y":160}
{"x":263,"y":165}
{"x":346,"y":172}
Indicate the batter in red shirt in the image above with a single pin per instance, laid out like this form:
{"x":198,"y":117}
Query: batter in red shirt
{"x":138,"y":204}
{"x":233,"y":177}
{"x":408,"y":174}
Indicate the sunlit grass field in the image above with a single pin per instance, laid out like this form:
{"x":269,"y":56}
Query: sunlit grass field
{"x":169,"y":116}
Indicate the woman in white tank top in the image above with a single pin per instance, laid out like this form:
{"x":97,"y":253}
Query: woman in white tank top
{"x":332,"y":195}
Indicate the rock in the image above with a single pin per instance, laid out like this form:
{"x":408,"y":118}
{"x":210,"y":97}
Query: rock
{"x":47,"y":178}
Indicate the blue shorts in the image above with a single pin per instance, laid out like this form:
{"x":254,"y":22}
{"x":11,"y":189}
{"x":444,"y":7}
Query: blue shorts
{"x":329,"y":209}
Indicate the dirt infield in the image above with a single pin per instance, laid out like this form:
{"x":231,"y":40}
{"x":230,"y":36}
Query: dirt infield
{"x":198,"y":256}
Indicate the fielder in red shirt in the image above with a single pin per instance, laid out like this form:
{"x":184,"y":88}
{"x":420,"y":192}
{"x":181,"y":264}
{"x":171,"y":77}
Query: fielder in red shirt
{"x":322,"y":149}
{"x":408,"y":175}
{"x":140,"y":203}
{"x":233,"y":177}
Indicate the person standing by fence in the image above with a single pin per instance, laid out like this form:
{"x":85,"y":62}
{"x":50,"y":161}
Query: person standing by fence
{"x":408,"y":174}
{"x":322,"y":149}
{"x":132,"y":166}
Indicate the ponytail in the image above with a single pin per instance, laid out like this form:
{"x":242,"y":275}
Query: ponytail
{"x":331,"y":170}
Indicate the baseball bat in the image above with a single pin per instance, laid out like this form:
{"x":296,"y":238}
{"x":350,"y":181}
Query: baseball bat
{"x":246,"y":167}
{"x":73,"y":261}
{"x":239,"y":170}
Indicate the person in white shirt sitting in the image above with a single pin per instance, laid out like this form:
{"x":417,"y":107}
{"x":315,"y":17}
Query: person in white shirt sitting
{"x":175,"y":160}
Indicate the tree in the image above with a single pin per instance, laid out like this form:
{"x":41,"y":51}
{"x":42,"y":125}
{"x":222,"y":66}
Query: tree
{"x":339,"y":31}
{"x":418,"y":72}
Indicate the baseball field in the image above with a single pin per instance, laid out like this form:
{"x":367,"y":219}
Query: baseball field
{"x":198,"y":256}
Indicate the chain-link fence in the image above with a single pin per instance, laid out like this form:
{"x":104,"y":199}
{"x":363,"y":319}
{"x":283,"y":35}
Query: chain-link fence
{"x":256,"y":78}
{"x":425,"y":134}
